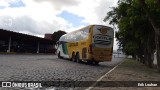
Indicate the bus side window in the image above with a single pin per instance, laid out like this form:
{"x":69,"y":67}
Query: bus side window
{"x":86,"y":30}
{"x":85,"y":33}
{"x":78,"y":35}
{"x":81,"y":35}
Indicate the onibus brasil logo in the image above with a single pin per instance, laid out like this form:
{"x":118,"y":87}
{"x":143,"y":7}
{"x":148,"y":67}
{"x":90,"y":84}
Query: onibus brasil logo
{"x":21,"y":84}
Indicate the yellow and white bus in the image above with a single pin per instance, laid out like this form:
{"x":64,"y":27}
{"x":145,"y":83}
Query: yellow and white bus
{"x":93,"y":43}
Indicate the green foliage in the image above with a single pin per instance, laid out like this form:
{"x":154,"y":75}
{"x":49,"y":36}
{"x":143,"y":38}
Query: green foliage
{"x":154,"y":9}
{"x":134,"y":26}
{"x":130,"y":48}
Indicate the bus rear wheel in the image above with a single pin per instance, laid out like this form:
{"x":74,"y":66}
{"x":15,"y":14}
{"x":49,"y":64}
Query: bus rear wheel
{"x":73,"y":57}
{"x":78,"y":58}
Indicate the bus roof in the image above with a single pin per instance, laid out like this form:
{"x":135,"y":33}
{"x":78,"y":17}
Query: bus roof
{"x":89,"y":26}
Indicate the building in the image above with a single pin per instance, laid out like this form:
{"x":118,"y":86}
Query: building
{"x":48,"y":36}
{"x":22,"y":43}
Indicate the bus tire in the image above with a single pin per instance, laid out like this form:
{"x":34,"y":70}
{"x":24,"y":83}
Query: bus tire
{"x":59,"y":55}
{"x":73,"y":57}
{"x":78,"y":58}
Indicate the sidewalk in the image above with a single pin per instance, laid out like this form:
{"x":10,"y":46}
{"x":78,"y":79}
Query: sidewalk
{"x":131,"y":70}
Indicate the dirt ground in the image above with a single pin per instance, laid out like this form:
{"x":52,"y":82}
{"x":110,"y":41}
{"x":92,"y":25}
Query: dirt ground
{"x":131,"y":70}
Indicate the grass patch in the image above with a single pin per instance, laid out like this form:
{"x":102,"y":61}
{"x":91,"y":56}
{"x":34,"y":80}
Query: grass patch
{"x":132,"y":64}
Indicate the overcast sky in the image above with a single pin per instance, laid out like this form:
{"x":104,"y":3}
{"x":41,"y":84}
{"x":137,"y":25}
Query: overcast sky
{"x":37,"y":17}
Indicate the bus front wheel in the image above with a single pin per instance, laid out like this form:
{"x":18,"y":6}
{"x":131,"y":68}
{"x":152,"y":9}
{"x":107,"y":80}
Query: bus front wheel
{"x":59,"y":55}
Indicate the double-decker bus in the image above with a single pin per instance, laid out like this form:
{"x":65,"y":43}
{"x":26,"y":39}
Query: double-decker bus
{"x":93,"y":43}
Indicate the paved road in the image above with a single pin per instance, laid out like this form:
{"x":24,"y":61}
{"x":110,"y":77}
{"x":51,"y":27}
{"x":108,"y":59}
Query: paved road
{"x":50,"y":68}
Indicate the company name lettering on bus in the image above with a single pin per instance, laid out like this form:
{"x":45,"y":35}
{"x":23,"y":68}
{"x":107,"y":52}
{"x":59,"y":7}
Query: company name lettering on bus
{"x":100,"y":37}
{"x":73,"y":44}
{"x":83,"y":43}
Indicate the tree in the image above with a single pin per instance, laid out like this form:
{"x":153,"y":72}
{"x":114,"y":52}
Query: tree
{"x":136,"y":33}
{"x":57,"y":35}
{"x":152,"y":10}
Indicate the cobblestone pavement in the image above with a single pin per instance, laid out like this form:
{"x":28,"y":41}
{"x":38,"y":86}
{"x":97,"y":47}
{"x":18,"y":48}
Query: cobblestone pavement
{"x":50,"y":68}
